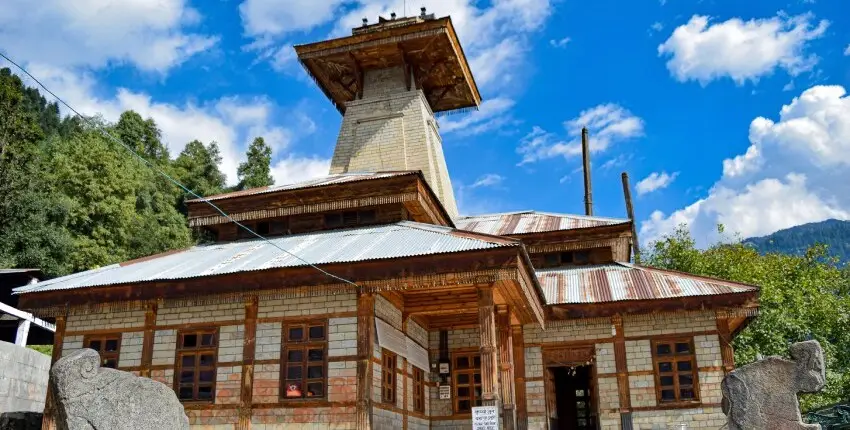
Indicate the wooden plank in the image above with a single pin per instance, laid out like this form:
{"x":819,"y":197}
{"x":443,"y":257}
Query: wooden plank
{"x":725,"y":336}
{"x":365,"y":346}
{"x":489,"y":356}
{"x":506,"y":368}
{"x":404,"y":377}
{"x":519,"y":377}
{"x":249,"y":348}
{"x":621,"y":364}
{"x":627,"y":307}
{"x":147,"y":340}
{"x":48,"y":421}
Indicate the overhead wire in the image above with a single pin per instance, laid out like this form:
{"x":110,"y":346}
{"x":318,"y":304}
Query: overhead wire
{"x":155,"y":168}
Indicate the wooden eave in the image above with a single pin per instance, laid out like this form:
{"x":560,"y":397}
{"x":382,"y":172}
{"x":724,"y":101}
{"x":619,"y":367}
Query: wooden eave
{"x":430,"y":49}
{"x":576,"y":234}
{"x":747,"y":300}
{"x":410,"y":190}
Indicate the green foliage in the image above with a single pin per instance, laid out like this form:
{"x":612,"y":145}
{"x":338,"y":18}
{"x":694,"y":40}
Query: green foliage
{"x":197,"y":168}
{"x":256,"y":170}
{"x":801,"y":297}
{"x":44,"y":349}
{"x":797,"y":240}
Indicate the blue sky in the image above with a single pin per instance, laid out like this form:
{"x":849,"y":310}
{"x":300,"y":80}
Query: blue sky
{"x":721,"y":111}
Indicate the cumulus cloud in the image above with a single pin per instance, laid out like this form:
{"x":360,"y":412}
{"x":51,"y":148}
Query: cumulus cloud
{"x":293,"y":169}
{"x":607,"y":124}
{"x":795,"y":170}
{"x":493,"y":114}
{"x":152,"y":36}
{"x":488,"y":180}
{"x":741,"y":50}
{"x":655,"y":181}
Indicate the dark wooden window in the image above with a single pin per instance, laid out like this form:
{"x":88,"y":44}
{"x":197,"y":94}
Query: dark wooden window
{"x":418,"y":390}
{"x":108,"y":346}
{"x":388,"y":376}
{"x":262,"y":228}
{"x":196,"y":364}
{"x":241,"y":233}
{"x":279,"y":226}
{"x":576,"y":257}
{"x":466,"y":378}
{"x":350,"y":218}
{"x":675,"y":370}
{"x":305,"y":361}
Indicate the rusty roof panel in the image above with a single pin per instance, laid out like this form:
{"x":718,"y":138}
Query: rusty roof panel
{"x":526,"y":222}
{"x":622,"y":281}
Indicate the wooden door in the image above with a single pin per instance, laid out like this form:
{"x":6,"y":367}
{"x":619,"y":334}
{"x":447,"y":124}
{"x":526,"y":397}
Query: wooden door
{"x":551,"y":402}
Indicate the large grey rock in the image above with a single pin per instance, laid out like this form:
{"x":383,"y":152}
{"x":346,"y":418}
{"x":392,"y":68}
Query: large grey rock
{"x":763,"y":395}
{"x":89,"y":397}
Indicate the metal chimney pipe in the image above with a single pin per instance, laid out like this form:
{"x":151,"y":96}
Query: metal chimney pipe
{"x":630,"y":210}
{"x":588,"y":188}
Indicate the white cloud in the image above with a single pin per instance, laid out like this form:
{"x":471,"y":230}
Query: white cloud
{"x":618,"y":161}
{"x":560,"y":43}
{"x":655,"y":181}
{"x":152,"y":36}
{"x":263,"y":17}
{"x":789,"y":86}
{"x":741,"y":50}
{"x":296,"y":169}
{"x":488,"y":180}
{"x":492,"y":115}
{"x":847,"y":50}
{"x":794,"y":171}
{"x":607,"y":124}
{"x":656,"y":27}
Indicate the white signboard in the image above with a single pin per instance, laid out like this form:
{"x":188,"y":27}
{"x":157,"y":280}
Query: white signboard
{"x":445,"y":392}
{"x":485,"y":418}
{"x":444,"y":368}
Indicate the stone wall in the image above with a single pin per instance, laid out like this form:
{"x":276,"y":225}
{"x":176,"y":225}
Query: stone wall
{"x":23,"y":379}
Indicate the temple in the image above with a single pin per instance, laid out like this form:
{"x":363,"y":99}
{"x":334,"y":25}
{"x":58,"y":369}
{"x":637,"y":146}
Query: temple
{"x":372,"y":304}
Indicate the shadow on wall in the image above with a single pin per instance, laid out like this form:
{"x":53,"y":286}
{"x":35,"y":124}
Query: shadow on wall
{"x":23,"y":386}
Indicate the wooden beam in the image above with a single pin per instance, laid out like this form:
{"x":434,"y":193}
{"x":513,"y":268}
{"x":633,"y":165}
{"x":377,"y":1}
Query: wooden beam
{"x":489,"y":358}
{"x":358,"y":75}
{"x":404,"y":373}
{"x":621,"y":364}
{"x":519,"y":377}
{"x":48,"y":421}
{"x":147,"y":341}
{"x":725,"y":336}
{"x":506,"y":368}
{"x":249,"y":348}
{"x":365,"y":346}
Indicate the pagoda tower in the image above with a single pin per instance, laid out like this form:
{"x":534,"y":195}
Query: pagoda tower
{"x":388,"y":80}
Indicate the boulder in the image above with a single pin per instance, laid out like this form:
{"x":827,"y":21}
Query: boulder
{"x":763,"y":395}
{"x":89,"y":397}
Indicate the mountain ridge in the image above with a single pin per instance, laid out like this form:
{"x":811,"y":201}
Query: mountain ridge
{"x":796,"y":240}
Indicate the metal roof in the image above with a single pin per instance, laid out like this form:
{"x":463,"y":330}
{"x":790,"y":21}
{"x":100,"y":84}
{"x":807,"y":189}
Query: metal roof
{"x":402,"y":239}
{"x":623,"y":281}
{"x":317,"y":182}
{"x":525,"y":222}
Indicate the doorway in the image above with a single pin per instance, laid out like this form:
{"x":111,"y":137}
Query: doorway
{"x":573,"y":398}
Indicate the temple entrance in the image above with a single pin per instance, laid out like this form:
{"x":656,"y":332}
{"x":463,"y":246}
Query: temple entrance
{"x":571,"y":402}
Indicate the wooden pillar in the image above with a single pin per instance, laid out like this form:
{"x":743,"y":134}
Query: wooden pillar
{"x":622,"y":370}
{"x":48,"y":421}
{"x":147,"y":341}
{"x":249,"y":348}
{"x":519,"y":377}
{"x":506,"y":367}
{"x":404,"y":399}
{"x":365,"y":345}
{"x":725,"y":335}
{"x":487,"y":338}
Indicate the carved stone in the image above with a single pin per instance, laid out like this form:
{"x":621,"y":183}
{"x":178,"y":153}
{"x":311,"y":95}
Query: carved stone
{"x":763,"y":395}
{"x":89,"y":397}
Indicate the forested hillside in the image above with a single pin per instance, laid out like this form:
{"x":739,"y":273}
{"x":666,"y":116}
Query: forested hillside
{"x":796,"y":240}
{"x":71,"y":199}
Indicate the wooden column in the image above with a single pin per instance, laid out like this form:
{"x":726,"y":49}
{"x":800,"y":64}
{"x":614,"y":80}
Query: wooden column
{"x":249,"y":348}
{"x":489,"y":359}
{"x":147,"y":341}
{"x":404,"y":409}
{"x":48,"y":421}
{"x":725,"y":335}
{"x":365,"y":345}
{"x":622,"y":370}
{"x":506,"y":367}
{"x":519,"y":377}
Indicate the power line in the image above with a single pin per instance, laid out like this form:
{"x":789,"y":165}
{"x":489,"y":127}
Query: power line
{"x":167,"y":176}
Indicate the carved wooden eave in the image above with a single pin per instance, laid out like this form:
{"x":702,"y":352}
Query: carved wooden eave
{"x":409,"y":189}
{"x":429,"y":49}
{"x":742,"y":305}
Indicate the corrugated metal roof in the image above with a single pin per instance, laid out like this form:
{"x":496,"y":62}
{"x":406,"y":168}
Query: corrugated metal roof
{"x":524,"y":222}
{"x":622,"y":281}
{"x":402,"y":239}
{"x":317,"y":182}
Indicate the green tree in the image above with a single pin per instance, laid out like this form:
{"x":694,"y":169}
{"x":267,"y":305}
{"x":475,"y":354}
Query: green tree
{"x":801,"y":297}
{"x":256,"y":170}
{"x":197,"y":167}
{"x":141,"y":135}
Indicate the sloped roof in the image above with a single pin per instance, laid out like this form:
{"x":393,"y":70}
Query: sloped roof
{"x":316,"y":182}
{"x":524,"y":222}
{"x":623,"y":281}
{"x":402,"y":239}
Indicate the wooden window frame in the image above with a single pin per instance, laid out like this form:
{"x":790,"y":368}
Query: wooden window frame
{"x":305,"y":344}
{"x":418,"y":377}
{"x":389,"y":376}
{"x":470,"y":371}
{"x":197,"y":352}
{"x":105,"y":356}
{"x":675,"y":358}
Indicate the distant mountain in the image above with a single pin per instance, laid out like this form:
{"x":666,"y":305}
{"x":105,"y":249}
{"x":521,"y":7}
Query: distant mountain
{"x":795,"y":240}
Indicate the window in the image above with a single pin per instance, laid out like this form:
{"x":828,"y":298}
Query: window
{"x":466,"y":375}
{"x":108,"y":346}
{"x":576,"y":257}
{"x":262,"y":228}
{"x":242,"y":233}
{"x":675,"y":372}
{"x":388,"y":376}
{"x":196,"y":359}
{"x":304,"y":360}
{"x":418,"y":390}
{"x":349,"y":218}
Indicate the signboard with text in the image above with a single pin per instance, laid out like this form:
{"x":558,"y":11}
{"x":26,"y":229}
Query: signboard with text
{"x":485,"y":418}
{"x":445,"y":392}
